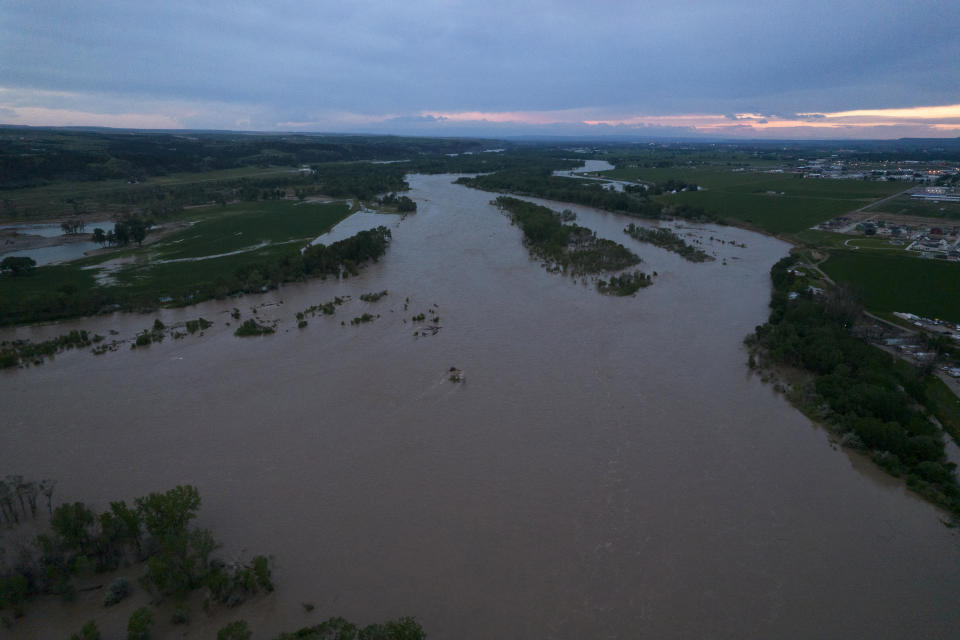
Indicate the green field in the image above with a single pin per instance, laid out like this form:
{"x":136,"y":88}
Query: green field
{"x":52,"y":200}
{"x":891,"y":282}
{"x":71,"y":289}
{"x":244,"y":225}
{"x":947,"y":406}
{"x":774,"y":202}
{"x":772,"y":213}
{"x":907,"y":206}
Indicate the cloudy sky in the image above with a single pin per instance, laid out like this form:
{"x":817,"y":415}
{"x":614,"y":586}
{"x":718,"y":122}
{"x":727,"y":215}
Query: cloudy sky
{"x":734,"y":68}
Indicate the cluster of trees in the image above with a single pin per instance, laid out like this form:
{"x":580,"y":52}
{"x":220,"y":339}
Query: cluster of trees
{"x":405,"y":628}
{"x":532,"y":158}
{"x":877,"y":403}
{"x":73,"y":226}
{"x":403,"y":203}
{"x":30,"y":157}
{"x":251,"y":327}
{"x":541,"y":183}
{"x":156,"y":530}
{"x":666,"y":239}
{"x":17,"y":265}
{"x":625,"y":284}
{"x":16,"y":491}
{"x":133,"y":228}
{"x":565,"y":245}
{"x":340,"y":258}
{"x":672,"y":185}
{"x":361,"y":180}
{"x":16,"y":352}
{"x":373,"y":296}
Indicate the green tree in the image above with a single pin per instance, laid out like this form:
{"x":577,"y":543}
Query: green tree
{"x":18,"y":265}
{"x":236,"y":630}
{"x":138,"y":230}
{"x":138,"y":627}
{"x":88,"y":631}
{"x":72,"y":523}
{"x":182,"y":557}
{"x":121,"y":233}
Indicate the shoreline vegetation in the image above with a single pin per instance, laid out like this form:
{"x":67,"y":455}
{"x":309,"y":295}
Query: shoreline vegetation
{"x":667,"y":239}
{"x":570,"y":248}
{"x":75,"y":549}
{"x":541,"y":183}
{"x":98,"y":176}
{"x":870,"y":400}
{"x":77,"y":544}
{"x":49,"y":301}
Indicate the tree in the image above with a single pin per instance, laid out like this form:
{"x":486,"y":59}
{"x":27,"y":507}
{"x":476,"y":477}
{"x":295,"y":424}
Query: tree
{"x":167,"y":514}
{"x":182,"y":556}
{"x":18,"y":265}
{"x":138,"y":230}
{"x":88,"y":631}
{"x":46,"y":488}
{"x":99,"y":236}
{"x":71,"y":523}
{"x":121,"y":231}
{"x":138,"y":627}
{"x":842,"y":302}
{"x":236,"y":630}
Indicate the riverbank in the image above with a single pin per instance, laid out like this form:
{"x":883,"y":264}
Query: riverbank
{"x":618,"y":446}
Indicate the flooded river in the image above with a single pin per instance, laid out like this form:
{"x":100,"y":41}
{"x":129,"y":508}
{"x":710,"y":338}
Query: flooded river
{"x":609,"y":469}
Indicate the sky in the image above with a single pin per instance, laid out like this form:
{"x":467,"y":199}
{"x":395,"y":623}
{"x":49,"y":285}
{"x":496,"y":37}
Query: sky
{"x":771,"y":69}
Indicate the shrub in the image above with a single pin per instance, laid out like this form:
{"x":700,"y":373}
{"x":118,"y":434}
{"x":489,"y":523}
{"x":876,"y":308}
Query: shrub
{"x":250,"y":327}
{"x":236,"y":630}
{"x":181,"y":615}
{"x":138,"y":628}
{"x":88,"y":631}
{"x":117,"y":591}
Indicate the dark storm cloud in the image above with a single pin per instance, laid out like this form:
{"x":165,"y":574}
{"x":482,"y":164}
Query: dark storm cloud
{"x":299,"y":61}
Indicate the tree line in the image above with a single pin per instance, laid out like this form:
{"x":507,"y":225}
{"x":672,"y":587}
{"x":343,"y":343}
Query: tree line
{"x":541,"y":183}
{"x":155,"y":531}
{"x":667,"y":239}
{"x":566,"y":246}
{"x":873,"y":401}
{"x":343,"y":258}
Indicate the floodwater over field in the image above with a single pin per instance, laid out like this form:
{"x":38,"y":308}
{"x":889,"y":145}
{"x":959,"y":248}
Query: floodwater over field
{"x":609,"y":469}
{"x":75,"y":247}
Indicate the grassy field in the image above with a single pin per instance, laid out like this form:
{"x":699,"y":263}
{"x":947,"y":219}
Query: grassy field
{"x":890,"y":278}
{"x":948,"y":406}
{"x":774,"y":202}
{"x":772,"y":213}
{"x":907,"y":206}
{"x":244,"y":225}
{"x":283,"y":225}
{"x":51,"y":200}
{"x":891,"y":282}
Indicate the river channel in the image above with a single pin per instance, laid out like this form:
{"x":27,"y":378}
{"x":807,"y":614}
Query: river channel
{"x":609,"y":468}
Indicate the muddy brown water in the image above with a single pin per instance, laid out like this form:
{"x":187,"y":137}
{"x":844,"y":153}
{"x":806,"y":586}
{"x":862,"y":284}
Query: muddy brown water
{"x":609,"y":469}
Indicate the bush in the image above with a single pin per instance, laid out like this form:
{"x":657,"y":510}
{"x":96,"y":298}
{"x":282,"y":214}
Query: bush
{"x":138,"y":628}
{"x":117,"y":591}
{"x":88,"y":631}
{"x":236,"y":630}
{"x":181,"y":615}
{"x":250,"y":327}
{"x":261,"y":569}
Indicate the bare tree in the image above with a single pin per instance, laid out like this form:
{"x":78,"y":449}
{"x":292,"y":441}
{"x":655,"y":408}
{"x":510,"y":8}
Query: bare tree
{"x":46,"y":488}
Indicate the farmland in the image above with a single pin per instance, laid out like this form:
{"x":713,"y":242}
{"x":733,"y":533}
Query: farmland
{"x":772,"y":202}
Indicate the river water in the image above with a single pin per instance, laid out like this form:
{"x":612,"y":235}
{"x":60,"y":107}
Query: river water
{"x":75,"y":247}
{"x":609,"y":469}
